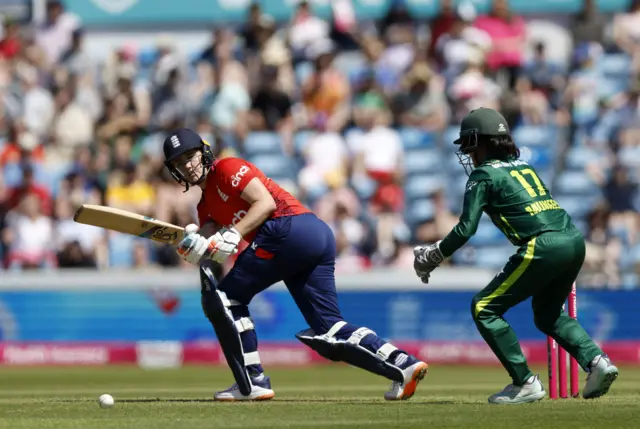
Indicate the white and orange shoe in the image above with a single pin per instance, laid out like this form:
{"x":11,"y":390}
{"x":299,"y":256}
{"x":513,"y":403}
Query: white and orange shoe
{"x":260,"y":391}
{"x":413,"y":374}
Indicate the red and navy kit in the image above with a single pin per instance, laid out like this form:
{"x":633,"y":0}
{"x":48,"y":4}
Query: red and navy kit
{"x":221,"y":201}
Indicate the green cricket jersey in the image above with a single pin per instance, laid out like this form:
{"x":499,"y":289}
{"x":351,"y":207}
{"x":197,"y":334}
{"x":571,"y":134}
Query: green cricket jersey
{"x":516,"y":200}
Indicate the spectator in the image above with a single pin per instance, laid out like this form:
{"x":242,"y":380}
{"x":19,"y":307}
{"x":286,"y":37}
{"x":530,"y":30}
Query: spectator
{"x":38,"y":107}
{"x":21,"y":148}
{"x":29,"y":187}
{"x":588,"y":25}
{"x":325,"y":93}
{"x":441,"y":25}
{"x":626,"y":29}
{"x":620,"y":193}
{"x":326,"y":160}
{"x":581,"y":93}
{"x":422,"y":104}
{"x":78,"y":245}
{"x":543,"y":76}
{"x":305,"y":29}
{"x":250,"y":32}
{"x":29,"y":236}
{"x":271,"y":108}
{"x":603,"y":251}
{"x":473,"y":89}
{"x":72,"y":125}
{"x":75,"y":59}
{"x":508,"y":37}
{"x":55,"y":34}
{"x":128,"y":190}
{"x":11,"y":44}
{"x":461,"y":41}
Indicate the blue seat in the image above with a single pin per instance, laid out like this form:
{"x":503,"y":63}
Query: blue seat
{"x":630,"y":157}
{"x":539,"y":156}
{"x":12,"y":175}
{"x":579,"y":157}
{"x":121,"y":250}
{"x":422,"y":161}
{"x":488,"y":235}
{"x":423,"y":185}
{"x":301,"y":139}
{"x":262,"y":143}
{"x":615,"y":65}
{"x":609,"y":87}
{"x":450,"y":135}
{"x":575,"y":183}
{"x":274,"y":165}
{"x":494,"y":257}
{"x":415,"y":138}
{"x":419,"y":211}
{"x":534,"y":135}
{"x":577,"y":206}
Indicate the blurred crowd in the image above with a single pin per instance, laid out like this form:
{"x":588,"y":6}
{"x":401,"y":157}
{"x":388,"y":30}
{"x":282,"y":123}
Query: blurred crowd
{"x":329,"y":96}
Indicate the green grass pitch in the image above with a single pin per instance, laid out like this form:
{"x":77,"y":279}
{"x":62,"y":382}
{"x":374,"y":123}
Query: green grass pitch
{"x":335,"y":396}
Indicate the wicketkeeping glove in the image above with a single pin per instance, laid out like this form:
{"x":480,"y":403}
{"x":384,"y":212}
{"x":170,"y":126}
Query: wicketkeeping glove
{"x":426,"y":259}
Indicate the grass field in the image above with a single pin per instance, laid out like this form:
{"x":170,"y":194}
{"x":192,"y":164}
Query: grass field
{"x":333,"y":396}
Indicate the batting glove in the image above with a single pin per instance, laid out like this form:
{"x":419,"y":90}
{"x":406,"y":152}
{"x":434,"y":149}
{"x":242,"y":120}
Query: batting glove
{"x":193,"y":246}
{"x":427,"y":259}
{"x":226,"y":244}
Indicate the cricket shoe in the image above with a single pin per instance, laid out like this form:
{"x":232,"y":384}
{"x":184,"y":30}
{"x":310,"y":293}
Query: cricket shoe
{"x":413,"y":371}
{"x":531,"y":391}
{"x":260,"y":391}
{"x":602,"y":374}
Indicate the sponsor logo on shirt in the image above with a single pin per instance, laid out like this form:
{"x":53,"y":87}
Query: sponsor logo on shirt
{"x":224,"y":196}
{"x":237,"y":216}
{"x":236,"y":178}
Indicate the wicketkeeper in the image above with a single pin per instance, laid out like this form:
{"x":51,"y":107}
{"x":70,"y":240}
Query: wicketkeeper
{"x":549,"y":257}
{"x":287,"y":243}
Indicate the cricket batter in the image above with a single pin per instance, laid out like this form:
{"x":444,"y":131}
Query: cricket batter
{"x":287,"y":243}
{"x":550,"y":254}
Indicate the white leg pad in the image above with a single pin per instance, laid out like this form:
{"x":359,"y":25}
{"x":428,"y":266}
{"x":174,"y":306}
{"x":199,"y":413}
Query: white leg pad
{"x":252,"y":358}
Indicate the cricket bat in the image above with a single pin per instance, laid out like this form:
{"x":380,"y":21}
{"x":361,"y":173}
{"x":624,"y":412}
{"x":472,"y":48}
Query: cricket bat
{"x":129,"y":223}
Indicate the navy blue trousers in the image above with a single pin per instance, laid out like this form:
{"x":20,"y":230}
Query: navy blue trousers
{"x":301,"y":252}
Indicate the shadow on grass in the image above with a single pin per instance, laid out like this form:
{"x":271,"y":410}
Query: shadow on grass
{"x":349,"y":401}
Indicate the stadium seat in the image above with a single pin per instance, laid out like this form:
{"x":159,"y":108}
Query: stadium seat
{"x":488,"y":235}
{"x":257,"y":143}
{"x":419,"y":211}
{"x":609,"y":87}
{"x":422,"y":161}
{"x":576,"y":183}
{"x":615,"y":65}
{"x":414,"y":138}
{"x":494,"y":257}
{"x":578,"y":158}
{"x":630,"y":157}
{"x":12,"y":173}
{"x":121,"y":250}
{"x":274,"y":165}
{"x":300,"y":140}
{"x":420,"y":186}
{"x":450,"y":135}
{"x":538,"y":156}
{"x":533,"y":135}
{"x":576,"y":205}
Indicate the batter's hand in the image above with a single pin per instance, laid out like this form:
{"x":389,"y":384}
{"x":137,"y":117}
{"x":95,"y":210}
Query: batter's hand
{"x":193,"y":246}
{"x":226,"y":244}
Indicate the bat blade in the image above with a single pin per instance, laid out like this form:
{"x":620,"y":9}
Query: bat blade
{"x":128,"y":223}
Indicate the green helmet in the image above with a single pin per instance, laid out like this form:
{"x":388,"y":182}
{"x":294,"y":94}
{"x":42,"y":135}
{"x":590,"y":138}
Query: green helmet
{"x":479,"y":122}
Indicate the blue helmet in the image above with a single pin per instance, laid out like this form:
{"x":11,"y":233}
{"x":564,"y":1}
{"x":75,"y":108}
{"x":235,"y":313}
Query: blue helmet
{"x":180,"y":142}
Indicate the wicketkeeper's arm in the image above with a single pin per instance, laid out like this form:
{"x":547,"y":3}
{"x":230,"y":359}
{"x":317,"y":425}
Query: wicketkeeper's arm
{"x":475,"y":200}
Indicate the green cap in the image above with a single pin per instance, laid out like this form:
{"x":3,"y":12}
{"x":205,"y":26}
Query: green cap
{"x":483,"y":121}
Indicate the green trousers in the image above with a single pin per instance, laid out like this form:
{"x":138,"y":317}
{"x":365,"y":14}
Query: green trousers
{"x":544,"y":269}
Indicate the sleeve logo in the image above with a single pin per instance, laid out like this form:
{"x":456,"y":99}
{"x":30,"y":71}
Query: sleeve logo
{"x":236,"y":178}
{"x":470,"y":185}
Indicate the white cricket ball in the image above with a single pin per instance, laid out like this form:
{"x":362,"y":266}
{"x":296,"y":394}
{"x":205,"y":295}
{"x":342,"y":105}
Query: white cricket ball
{"x":106,"y":401}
